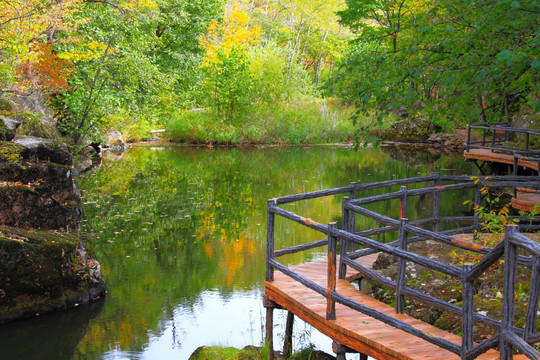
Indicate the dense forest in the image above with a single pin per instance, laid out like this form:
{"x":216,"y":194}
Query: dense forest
{"x":267,"y":71}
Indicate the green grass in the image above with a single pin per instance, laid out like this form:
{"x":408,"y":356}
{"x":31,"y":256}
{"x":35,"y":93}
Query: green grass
{"x":299,"y":122}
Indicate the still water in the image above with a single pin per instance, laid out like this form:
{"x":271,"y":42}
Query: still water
{"x":180,"y":233}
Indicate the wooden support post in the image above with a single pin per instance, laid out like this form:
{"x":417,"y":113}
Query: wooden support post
{"x":402,"y":267}
{"x":468,"y":145}
{"x":468,"y":308}
{"x":436,"y":202}
{"x":270,"y":240}
{"x":352,"y":219}
{"x":403,"y":203}
{"x":270,"y":331}
{"x":509,"y":292}
{"x":331,"y":278}
{"x":341,"y":350}
{"x":534,"y":296}
{"x":287,"y":343}
{"x":476,"y":201}
{"x":344,"y":243}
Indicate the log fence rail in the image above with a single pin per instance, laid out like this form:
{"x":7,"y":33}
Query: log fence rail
{"x":355,"y":244}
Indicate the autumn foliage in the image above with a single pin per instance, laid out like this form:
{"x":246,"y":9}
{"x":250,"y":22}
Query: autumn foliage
{"x":47,"y":72}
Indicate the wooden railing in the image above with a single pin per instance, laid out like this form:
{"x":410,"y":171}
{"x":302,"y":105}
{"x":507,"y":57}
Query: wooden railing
{"x":507,"y":336}
{"x":496,"y":137}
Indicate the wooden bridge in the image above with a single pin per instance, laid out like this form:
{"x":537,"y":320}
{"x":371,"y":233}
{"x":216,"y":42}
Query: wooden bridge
{"x":321,"y":292}
{"x":495,"y":148}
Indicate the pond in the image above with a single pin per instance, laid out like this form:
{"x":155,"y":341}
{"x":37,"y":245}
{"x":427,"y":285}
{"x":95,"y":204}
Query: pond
{"x":180,"y":233}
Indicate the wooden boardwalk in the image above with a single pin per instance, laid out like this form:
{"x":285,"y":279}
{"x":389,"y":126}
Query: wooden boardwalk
{"x":320,"y":292}
{"x":489,"y":155}
{"x":525,"y":199}
{"x":355,"y":330}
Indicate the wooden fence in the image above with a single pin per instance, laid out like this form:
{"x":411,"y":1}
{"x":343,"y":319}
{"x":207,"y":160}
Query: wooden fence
{"x":496,"y":137}
{"x":355,"y":244}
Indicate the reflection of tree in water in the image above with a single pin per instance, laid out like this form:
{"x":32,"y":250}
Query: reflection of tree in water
{"x":410,"y":155}
{"x":174,"y":223}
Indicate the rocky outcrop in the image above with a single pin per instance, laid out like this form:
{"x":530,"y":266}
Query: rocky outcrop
{"x":411,"y":130}
{"x":38,"y":191}
{"x":34,"y":116}
{"x":115,"y":141}
{"x":44,"y":264}
{"x":43,"y":271}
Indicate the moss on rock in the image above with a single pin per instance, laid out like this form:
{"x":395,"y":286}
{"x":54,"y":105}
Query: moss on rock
{"x":7,"y":105}
{"x":411,"y":130}
{"x":6,"y":134}
{"x":42,"y":271}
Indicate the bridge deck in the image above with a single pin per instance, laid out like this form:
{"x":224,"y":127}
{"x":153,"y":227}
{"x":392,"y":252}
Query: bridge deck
{"x":353,"y":329}
{"x":493,"y":156}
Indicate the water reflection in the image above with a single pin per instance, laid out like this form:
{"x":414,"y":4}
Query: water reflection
{"x":180,"y":233}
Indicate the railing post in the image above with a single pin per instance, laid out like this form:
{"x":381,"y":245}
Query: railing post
{"x":468,"y":145}
{"x":331,"y":279}
{"x":509,"y":290}
{"x":403,"y":203}
{"x":494,"y":131}
{"x":344,"y":243}
{"x":352,"y":219}
{"x":436,"y":202}
{"x":532,"y":305}
{"x":476,"y":202}
{"x":467,"y":295}
{"x":270,"y":239}
{"x":527,"y":143}
{"x":402,"y":267}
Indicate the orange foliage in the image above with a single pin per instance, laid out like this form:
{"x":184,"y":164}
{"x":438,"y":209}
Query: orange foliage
{"x":48,"y":72}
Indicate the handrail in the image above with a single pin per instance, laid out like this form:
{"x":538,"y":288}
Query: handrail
{"x":500,"y":134}
{"x":508,"y":336}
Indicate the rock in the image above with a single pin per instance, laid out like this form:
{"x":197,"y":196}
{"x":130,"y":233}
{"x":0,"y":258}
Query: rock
{"x":115,"y":141}
{"x":411,"y":130}
{"x":6,"y":133}
{"x":45,"y":150}
{"x":7,"y":105}
{"x":35,"y":117}
{"x":37,"y":186}
{"x":10,"y":123}
{"x":40,"y":272}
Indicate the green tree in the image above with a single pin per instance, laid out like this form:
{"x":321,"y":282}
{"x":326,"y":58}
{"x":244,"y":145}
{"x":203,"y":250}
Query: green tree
{"x":229,"y":81}
{"x":133,"y":61}
{"x":453,"y":60}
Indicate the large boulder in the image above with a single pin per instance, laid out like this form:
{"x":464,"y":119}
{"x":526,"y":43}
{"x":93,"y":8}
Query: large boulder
{"x":43,"y":271}
{"x":8,"y":128}
{"x":34,"y":116}
{"x":47,"y":269}
{"x":411,"y":130}
{"x":115,"y":140}
{"x":37,"y":186}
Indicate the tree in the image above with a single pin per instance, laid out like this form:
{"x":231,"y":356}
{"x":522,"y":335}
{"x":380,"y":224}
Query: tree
{"x":451,"y":60}
{"x":132,"y":60}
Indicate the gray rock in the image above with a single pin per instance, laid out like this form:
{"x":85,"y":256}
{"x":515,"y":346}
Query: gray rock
{"x":45,"y":150}
{"x":30,"y":107}
{"x":115,"y":141}
{"x":6,"y":133}
{"x":11,"y":124}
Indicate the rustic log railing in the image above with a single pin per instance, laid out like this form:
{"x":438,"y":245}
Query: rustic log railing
{"x":495,"y":137}
{"x":507,"y":337}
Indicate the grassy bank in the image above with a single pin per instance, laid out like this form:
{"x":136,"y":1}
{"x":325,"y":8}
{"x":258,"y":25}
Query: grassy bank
{"x":300,"y":122}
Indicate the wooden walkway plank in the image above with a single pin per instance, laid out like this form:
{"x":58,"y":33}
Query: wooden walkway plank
{"x":491,"y":156}
{"x":357,"y":330}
